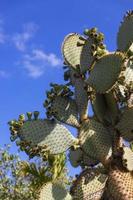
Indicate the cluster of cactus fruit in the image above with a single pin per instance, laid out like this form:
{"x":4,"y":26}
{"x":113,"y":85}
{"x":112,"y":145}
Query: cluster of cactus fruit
{"x":103,"y":146}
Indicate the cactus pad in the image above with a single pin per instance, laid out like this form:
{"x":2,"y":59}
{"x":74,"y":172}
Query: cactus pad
{"x":128,"y":158}
{"x":75,"y":156}
{"x":125,"y":34}
{"x":120,"y":185}
{"x":105,"y":107}
{"x":125,"y":125}
{"x":93,"y":48}
{"x":47,"y":134}
{"x":81,"y":98}
{"x":129,"y":72}
{"x":71,"y":51}
{"x":52,"y":191}
{"x":88,"y":161}
{"x":86,"y":58}
{"x":95,"y":140}
{"x":106,"y":72}
{"x":99,"y":106}
{"x":65,"y":110}
{"x":89,"y":186}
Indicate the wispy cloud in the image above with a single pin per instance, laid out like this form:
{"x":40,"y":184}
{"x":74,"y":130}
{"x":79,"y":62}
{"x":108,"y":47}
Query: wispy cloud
{"x":36,"y":62}
{"x":20,"y":40}
{"x":33,"y":70}
{"x":4,"y":74}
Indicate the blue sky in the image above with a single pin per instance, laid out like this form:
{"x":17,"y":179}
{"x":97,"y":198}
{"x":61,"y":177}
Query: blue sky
{"x":31,"y":33}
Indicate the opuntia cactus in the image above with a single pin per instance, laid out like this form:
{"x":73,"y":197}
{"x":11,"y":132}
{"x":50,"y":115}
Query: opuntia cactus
{"x":94,"y":76}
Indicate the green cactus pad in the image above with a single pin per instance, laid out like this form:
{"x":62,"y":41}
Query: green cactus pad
{"x":112,"y":107}
{"x":119,"y":185}
{"x":88,"y":161}
{"x":71,"y":51}
{"x":47,"y":134}
{"x":92,"y":49}
{"x":125,"y":125}
{"x":79,"y":158}
{"x":75,"y":156}
{"x":86,"y":57}
{"x":127,"y":158}
{"x":81,"y":98}
{"x":106,"y":72}
{"x":54,"y":191}
{"x":105,"y":107}
{"x":95,"y":140}
{"x":125,"y":34}
{"x":69,"y":75}
{"x":65,"y":110}
{"x":99,"y":107}
{"x":89,"y":185}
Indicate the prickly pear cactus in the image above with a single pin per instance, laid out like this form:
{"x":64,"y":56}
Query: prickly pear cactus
{"x":102,"y":148}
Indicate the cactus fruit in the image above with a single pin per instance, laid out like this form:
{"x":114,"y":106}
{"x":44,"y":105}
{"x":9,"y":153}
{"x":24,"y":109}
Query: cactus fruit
{"x":94,"y":78}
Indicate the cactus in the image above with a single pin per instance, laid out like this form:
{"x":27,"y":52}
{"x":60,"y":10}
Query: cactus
{"x":103,"y":80}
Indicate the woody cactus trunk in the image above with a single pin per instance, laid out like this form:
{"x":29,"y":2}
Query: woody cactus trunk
{"x":103,"y":147}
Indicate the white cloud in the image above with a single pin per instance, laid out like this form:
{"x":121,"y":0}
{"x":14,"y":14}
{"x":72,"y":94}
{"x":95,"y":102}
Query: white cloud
{"x":36,"y":62}
{"x":33,"y":70}
{"x":20,"y":39}
{"x":40,"y":55}
{"x":3,"y":74}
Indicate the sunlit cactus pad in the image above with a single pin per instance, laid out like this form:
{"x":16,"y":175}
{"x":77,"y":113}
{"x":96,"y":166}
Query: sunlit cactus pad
{"x":125,"y":34}
{"x":47,"y":134}
{"x":120,"y":185}
{"x":106,"y":72}
{"x":128,"y":158}
{"x":89,"y":185}
{"x":65,"y":110}
{"x":95,"y":140}
{"x":129,"y":71}
{"x":54,"y":191}
{"x":125,"y":125}
{"x":71,"y":50}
